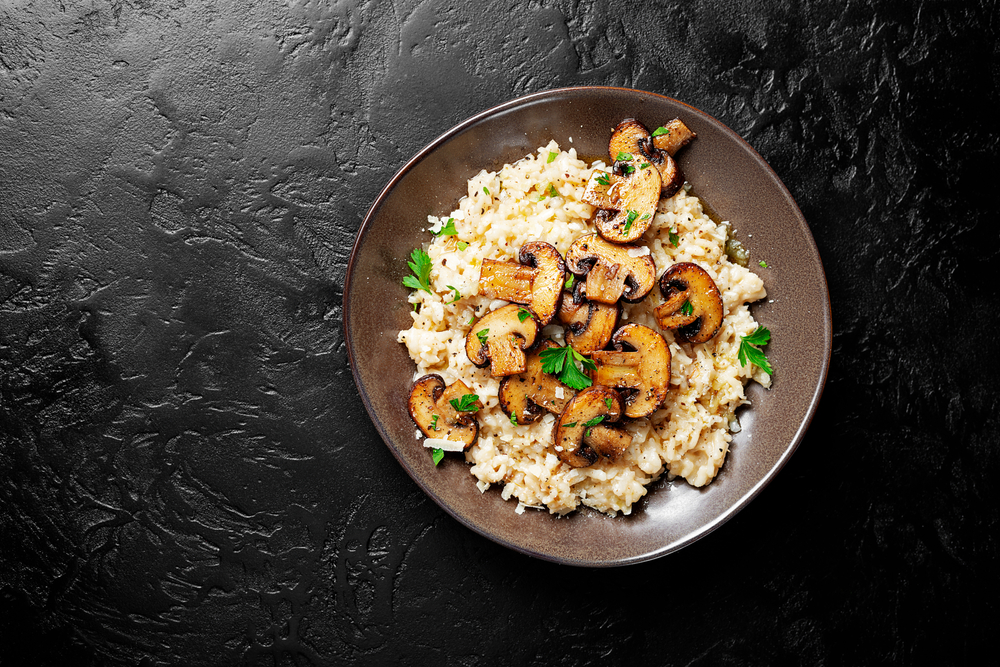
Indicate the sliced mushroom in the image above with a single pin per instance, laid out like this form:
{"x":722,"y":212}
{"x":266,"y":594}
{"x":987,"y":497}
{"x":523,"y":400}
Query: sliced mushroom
{"x":677,"y":136}
{"x":431,"y":409}
{"x":499,"y":339}
{"x":626,"y":202}
{"x":645,"y":370}
{"x":589,"y":324}
{"x":613,"y":272}
{"x":536,"y":282}
{"x":528,"y":394}
{"x":687,"y":283}
{"x":581,"y":433}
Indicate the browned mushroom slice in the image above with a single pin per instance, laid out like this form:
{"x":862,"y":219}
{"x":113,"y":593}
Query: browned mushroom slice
{"x":674,"y":136}
{"x":645,"y":370}
{"x":626,"y":202}
{"x":499,"y":339}
{"x":536,"y":282}
{"x":431,"y":409}
{"x":589,"y":324}
{"x":701,"y":318}
{"x":582,"y":433}
{"x":628,"y":137}
{"x":528,"y":394}
{"x":613,"y":272}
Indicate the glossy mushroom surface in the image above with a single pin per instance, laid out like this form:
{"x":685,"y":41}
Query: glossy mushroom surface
{"x":582,"y":432}
{"x":692,"y":304}
{"x":640,"y":364}
{"x":526,"y":396}
{"x":499,"y":339}
{"x":612,"y":271}
{"x":431,"y":409}
{"x":536,"y":280}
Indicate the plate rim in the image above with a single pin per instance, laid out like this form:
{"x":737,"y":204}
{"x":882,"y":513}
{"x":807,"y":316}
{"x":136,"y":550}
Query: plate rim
{"x":733,"y":508}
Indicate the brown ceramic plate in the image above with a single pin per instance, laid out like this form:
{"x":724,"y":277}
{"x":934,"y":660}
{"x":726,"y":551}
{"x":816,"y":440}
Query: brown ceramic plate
{"x":734,"y":180}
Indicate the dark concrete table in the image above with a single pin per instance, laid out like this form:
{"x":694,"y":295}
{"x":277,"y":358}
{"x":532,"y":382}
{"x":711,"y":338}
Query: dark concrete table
{"x":187,"y":475}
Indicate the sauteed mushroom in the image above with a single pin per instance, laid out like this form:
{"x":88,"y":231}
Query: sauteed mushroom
{"x":687,"y":283}
{"x":499,"y":339}
{"x":589,"y":324}
{"x":526,"y":395}
{"x":581,"y":433}
{"x":613,"y":272}
{"x":645,"y":370}
{"x":536,"y":282}
{"x":431,"y":409}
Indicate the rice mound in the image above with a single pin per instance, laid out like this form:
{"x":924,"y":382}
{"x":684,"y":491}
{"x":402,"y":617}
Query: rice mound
{"x":687,"y":437}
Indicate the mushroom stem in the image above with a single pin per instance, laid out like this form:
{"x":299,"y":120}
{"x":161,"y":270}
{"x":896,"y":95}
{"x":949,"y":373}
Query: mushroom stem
{"x":506,"y":280}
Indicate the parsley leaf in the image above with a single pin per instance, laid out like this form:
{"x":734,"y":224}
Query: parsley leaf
{"x":458,"y":295}
{"x":569,"y":281}
{"x":482,"y":334}
{"x":629,"y":219}
{"x":660,"y":130}
{"x":551,"y":192}
{"x":750,"y":352}
{"x":608,"y":402}
{"x":603,"y":178}
{"x":465,"y":404}
{"x":421,"y":268}
{"x":644,"y":165}
{"x":622,"y":155}
{"x":590,"y":423}
{"x":434,"y":423}
{"x":523,"y":314}
{"x":562,"y":362}
{"x":513,"y":419}
{"x":763,"y":263}
{"x":486,"y":190}
{"x":674,"y":237}
{"x":628,"y":169}
{"x":552,"y":156}
{"x":462,"y":245}
{"x":437,"y":455}
{"x":448,"y":229}
{"x":687,"y":308}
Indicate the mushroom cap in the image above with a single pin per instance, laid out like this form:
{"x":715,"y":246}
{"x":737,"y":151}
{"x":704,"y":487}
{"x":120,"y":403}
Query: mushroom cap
{"x":589,"y":324}
{"x":629,"y":202}
{"x":645,"y":371}
{"x":616,"y":273}
{"x":677,"y":136}
{"x":527,"y":395}
{"x":430,"y":397}
{"x":546,"y":288}
{"x":578,"y":441}
{"x":632,"y":137}
{"x":506,"y":338}
{"x":688,"y":282}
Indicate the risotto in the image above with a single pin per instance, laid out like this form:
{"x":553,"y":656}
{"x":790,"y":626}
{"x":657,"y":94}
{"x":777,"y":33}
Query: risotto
{"x":688,"y":436}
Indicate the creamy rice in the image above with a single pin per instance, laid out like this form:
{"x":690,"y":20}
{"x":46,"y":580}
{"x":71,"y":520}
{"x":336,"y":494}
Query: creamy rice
{"x":687,"y":437}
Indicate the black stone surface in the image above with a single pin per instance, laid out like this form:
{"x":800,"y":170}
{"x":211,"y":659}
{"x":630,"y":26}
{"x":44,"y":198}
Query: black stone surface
{"x":187,"y":475}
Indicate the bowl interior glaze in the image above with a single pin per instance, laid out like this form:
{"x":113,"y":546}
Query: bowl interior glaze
{"x":735,"y":182}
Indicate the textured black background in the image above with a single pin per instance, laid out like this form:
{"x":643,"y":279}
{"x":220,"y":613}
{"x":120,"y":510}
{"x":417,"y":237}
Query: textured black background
{"x":187,"y":475}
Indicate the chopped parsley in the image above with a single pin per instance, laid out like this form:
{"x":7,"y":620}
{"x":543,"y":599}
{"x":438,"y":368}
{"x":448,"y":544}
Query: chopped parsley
{"x":628,"y":169}
{"x":569,"y":425}
{"x":569,"y":281}
{"x":660,"y":130}
{"x":763,"y":263}
{"x":608,"y":402}
{"x":591,"y":423}
{"x":421,"y":268}
{"x":644,"y":165}
{"x":629,"y":219}
{"x":687,"y":308}
{"x":465,"y":404}
{"x":513,"y":418}
{"x":622,"y":156}
{"x":482,"y":334}
{"x":552,"y":156}
{"x":562,"y":362}
{"x":486,"y":190}
{"x":462,"y":245}
{"x":458,"y":295}
{"x":434,"y":423}
{"x":437,"y":455}
{"x":448,"y":229}
{"x":674,"y":237}
{"x":550,"y":192}
{"x":603,"y":179}
{"x":750,"y":349}
{"x":523,"y":314}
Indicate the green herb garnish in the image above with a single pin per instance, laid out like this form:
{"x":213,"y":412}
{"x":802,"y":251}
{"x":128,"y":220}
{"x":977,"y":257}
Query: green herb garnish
{"x":434,"y":423}
{"x":562,"y":362}
{"x":591,"y":423}
{"x":523,"y":314}
{"x":674,"y":237}
{"x":763,"y":263}
{"x":660,"y":130}
{"x":569,"y":281}
{"x":437,"y":455}
{"x":569,"y":425}
{"x":482,"y":334}
{"x":513,"y":418}
{"x":462,"y":245}
{"x":458,"y":295}
{"x":486,"y":190}
{"x":552,"y":156}
{"x":750,"y":352}
{"x":603,"y":178}
{"x":465,"y":404}
{"x":687,"y":308}
{"x":551,"y":191}
{"x":421,"y":268}
{"x":608,"y":402}
{"x":448,"y":229}
{"x":643,"y":166}
{"x":623,"y":156}
{"x":629,"y":219}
